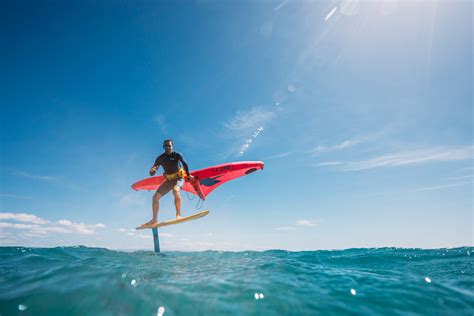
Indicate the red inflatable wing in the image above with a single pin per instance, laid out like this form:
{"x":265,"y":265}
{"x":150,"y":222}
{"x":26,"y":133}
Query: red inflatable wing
{"x":208,"y":178}
{"x":149,"y":183}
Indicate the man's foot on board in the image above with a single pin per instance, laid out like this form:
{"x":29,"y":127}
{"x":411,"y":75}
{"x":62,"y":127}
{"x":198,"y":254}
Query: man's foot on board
{"x":153,"y":221}
{"x":178,"y":217}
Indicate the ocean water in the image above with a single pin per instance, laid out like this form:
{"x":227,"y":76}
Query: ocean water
{"x":96,"y":281}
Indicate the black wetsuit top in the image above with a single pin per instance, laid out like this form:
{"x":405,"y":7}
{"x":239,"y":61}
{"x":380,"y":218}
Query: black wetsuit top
{"x":170,"y":163}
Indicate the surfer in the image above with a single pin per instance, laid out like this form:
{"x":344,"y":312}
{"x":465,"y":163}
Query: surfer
{"x":175,"y":176}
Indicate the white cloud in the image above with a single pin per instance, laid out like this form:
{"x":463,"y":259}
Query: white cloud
{"x":36,"y":177}
{"x":54,"y":180}
{"x":281,"y":5}
{"x":15,"y":196}
{"x":18,"y":226}
{"x":36,"y":229}
{"x":411,"y":158}
{"x":285,"y":228}
{"x":247,"y":122}
{"x":43,"y":227}
{"x":463,"y":177}
{"x":343,"y":145}
{"x":300,"y":222}
{"x":35,"y":234}
{"x":329,"y":163}
{"x":281,"y":155}
{"x":143,"y":236}
{"x":441,"y":187}
{"x":80,"y":228}
{"x":244,"y":127}
{"x":160,"y":120}
{"x":306,"y":223}
{"x":55,"y":229}
{"x":132,"y":199}
{"x":23,"y":217}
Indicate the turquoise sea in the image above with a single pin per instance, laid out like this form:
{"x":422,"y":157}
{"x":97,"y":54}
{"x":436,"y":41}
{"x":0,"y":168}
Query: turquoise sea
{"x":95,"y":281}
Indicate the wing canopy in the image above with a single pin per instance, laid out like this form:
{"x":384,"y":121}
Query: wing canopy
{"x":208,"y":178}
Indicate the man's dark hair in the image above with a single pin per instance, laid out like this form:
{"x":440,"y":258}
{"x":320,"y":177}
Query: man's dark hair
{"x":167,"y":141}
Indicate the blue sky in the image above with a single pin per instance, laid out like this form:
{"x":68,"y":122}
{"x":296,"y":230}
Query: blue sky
{"x":361,"y":111}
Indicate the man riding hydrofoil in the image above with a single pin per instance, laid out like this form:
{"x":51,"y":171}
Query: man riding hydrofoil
{"x":175,"y":175}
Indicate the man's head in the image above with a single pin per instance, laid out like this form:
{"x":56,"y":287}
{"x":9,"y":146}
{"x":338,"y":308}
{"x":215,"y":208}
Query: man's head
{"x":168,"y":146}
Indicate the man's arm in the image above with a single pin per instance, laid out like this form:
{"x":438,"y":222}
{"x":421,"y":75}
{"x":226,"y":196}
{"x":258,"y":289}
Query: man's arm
{"x":155,"y":167}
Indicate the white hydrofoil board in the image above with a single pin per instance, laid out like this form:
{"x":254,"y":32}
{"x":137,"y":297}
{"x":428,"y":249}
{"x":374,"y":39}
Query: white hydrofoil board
{"x":175,"y":221}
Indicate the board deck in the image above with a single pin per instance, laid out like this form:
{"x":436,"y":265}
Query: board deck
{"x":175,"y":221}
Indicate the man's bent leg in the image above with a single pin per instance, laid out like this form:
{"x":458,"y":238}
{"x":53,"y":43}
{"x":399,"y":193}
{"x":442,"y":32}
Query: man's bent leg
{"x":177,"y":200}
{"x":156,"y":205}
{"x":164,"y":188}
{"x":156,"y":198}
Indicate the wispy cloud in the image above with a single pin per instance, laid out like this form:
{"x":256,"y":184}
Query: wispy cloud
{"x":45,"y":230}
{"x":80,"y":228}
{"x":40,"y":226}
{"x":407,"y":158}
{"x":461,"y":178}
{"x":55,"y":180}
{"x":245,"y":125}
{"x":19,"y":226}
{"x":23,"y":217}
{"x":35,"y":176}
{"x":140,"y":234}
{"x":300,"y":222}
{"x":343,"y":145}
{"x":329,"y":163}
{"x":307,"y":223}
{"x":281,"y":5}
{"x":279,"y":156}
{"x":132,"y":199}
{"x":166,"y":235}
{"x":441,"y":187}
{"x":245,"y":122}
{"x":160,"y":120}
{"x":285,"y":228}
{"x":15,"y":196}
{"x":144,"y":236}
